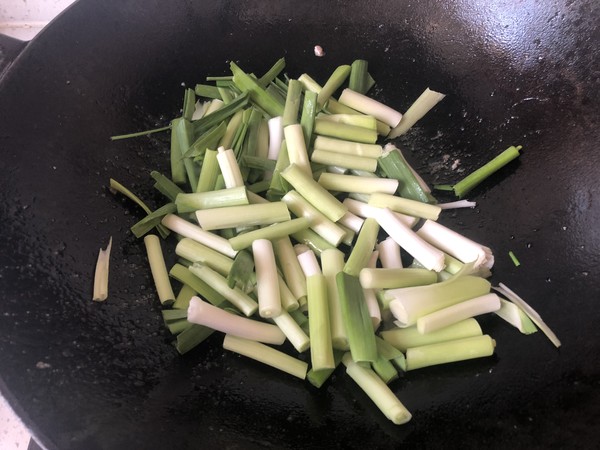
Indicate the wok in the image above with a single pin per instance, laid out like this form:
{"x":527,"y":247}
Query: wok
{"x":85,"y":375}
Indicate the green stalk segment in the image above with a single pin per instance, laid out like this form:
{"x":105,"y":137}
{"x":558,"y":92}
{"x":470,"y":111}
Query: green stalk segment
{"x":377,"y":391}
{"x":159,"y":270}
{"x":359,"y":76}
{"x":152,"y":220}
{"x":309,"y":111}
{"x":449,"y":351}
{"x":271,"y":232}
{"x":348,"y":147}
{"x":244,"y":215}
{"x":361,"y":253}
{"x":336,"y":79}
{"x":292,"y":103}
{"x":267,"y":355}
{"x":332,"y":129}
{"x":357,"y":184}
{"x":468,"y":183}
{"x":332,"y":261}
{"x":165,"y":186}
{"x":347,"y":161}
{"x":405,"y":206}
{"x":411,"y":303}
{"x":318,"y":377}
{"x":394,"y":166}
{"x":207,"y":292}
{"x":191,"y":337}
{"x":405,"y":338}
{"x":258,"y":95}
{"x":196,"y":252}
{"x":289,"y":265}
{"x":314,"y":193}
{"x":211,"y":199}
{"x":395,"y":278}
{"x":239,"y":299}
{"x":356,"y":317}
{"x":321,"y":350}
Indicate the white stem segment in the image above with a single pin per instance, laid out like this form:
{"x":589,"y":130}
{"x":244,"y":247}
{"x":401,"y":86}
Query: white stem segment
{"x":160,"y":275}
{"x":354,"y":183}
{"x":267,"y":282}
{"x":456,"y":313}
{"x":308,"y":262}
{"x":266,"y":355}
{"x":189,"y":230}
{"x":295,"y":334}
{"x":533,"y":315}
{"x":367,"y":105}
{"x":101,"y":274}
{"x":453,"y":243}
{"x":275,"y":137}
{"x":204,"y":313}
{"x":458,"y":204}
{"x":450,"y":351}
{"x":351,"y":221}
{"x":389,"y":254}
{"x":427,"y":100}
{"x":404,"y":338}
{"x":431,"y":257}
{"x":229,"y":168}
{"x":377,"y":391}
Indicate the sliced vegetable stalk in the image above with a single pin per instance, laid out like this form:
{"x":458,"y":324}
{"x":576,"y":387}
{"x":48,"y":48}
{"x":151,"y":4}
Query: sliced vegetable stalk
{"x":159,"y":270}
{"x":321,"y":350}
{"x":204,"y":313}
{"x":242,"y":215}
{"x":389,"y":254}
{"x":267,"y":355}
{"x":314,"y":193}
{"x":356,"y":318}
{"x":359,"y":257}
{"x":370,"y":106}
{"x":394,"y":166}
{"x":318,"y":377}
{"x":239,"y":299}
{"x":271,"y":232}
{"x":413,"y":302}
{"x":236,"y":196}
{"x":377,"y":391}
{"x":456,"y":313}
{"x":533,"y":315}
{"x":267,"y":283}
{"x":353,"y":183}
{"x":516,"y":317}
{"x":101,"y":274}
{"x":337,"y":78}
{"x":449,"y":351}
{"x":333,"y":262}
{"x":290,"y":267}
{"x":375,"y":278}
{"x":431,"y":257}
{"x":405,"y":206}
{"x":293,"y":331}
{"x":472,"y":180}
{"x":405,"y":338}
{"x":427,"y":100}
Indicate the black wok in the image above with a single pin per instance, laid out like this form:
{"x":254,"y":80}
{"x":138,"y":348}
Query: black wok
{"x":85,"y":375}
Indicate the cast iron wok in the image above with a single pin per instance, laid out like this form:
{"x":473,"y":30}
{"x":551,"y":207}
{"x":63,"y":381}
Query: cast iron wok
{"x":85,"y":375}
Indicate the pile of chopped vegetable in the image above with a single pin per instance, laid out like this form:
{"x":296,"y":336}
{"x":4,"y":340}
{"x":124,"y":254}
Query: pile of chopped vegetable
{"x":295,"y":224}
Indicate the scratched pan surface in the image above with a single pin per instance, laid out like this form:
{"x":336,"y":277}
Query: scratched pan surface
{"x":102,"y":376}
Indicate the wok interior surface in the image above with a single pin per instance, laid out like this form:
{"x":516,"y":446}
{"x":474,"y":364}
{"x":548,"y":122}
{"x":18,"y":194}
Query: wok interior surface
{"x":87,"y":376}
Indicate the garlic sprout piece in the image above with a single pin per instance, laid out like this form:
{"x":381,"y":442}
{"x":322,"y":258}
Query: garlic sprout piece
{"x":532,"y":313}
{"x":101,"y":274}
{"x":456,"y":245}
{"x":203,"y":313}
